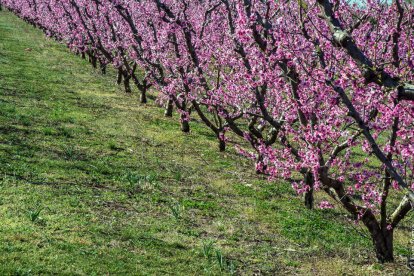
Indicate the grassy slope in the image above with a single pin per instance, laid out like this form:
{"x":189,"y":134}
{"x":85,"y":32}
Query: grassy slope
{"x":121,"y":191}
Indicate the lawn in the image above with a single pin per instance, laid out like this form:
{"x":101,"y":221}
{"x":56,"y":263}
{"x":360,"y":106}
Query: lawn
{"x":92,"y":183}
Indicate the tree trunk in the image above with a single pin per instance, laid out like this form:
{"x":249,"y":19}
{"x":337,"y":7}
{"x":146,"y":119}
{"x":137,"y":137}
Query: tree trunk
{"x":382,"y":238}
{"x":185,"y":125}
{"x":127,"y":85}
{"x":222,"y":145}
{"x":309,"y":180}
{"x":103,"y":68}
{"x":143,"y":97}
{"x":83,"y":55}
{"x":169,"y":108}
{"x":383,"y":243}
{"x":94,"y":61}
{"x":119,"y":77}
{"x":264,"y":168}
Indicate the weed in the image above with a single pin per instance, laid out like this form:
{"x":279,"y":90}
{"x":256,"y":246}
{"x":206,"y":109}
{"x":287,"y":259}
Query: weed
{"x":135,"y":182}
{"x":70,"y":153}
{"x":208,"y":249}
{"x":66,"y":132}
{"x":48,"y":131}
{"x":224,"y":264}
{"x":113,"y":146}
{"x":22,"y":272}
{"x":176,"y":210}
{"x":34,"y":214}
{"x":178,"y":176}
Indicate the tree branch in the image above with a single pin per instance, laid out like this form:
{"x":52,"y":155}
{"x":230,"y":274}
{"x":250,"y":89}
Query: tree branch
{"x":343,"y":39}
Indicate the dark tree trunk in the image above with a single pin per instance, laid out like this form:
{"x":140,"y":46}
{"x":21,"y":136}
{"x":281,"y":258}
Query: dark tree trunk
{"x":83,"y":55}
{"x":94,"y":61}
{"x":222,"y":145}
{"x":309,"y":180}
{"x":119,"y":77}
{"x":169,"y":108}
{"x":127,"y":85}
{"x":143,"y":97}
{"x":103,"y":68}
{"x":185,"y":126}
{"x":383,"y":243}
{"x":382,"y":239}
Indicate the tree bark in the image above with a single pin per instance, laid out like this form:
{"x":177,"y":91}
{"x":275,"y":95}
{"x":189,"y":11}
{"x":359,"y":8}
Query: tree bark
{"x":309,"y":199}
{"x":401,"y":211}
{"x":103,"y":68}
{"x":185,"y":125}
{"x":169,"y":108}
{"x":222,"y":145}
{"x":259,"y":160}
{"x":343,"y":39}
{"x":382,"y":237}
{"x":143,"y":97}
{"x":406,"y":92}
{"x":119,"y":77}
{"x":127,"y":85}
{"x":94,"y":61}
{"x":383,"y":244}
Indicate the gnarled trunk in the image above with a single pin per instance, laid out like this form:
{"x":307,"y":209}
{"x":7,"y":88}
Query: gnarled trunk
{"x":382,"y":238}
{"x":381,"y":234}
{"x":383,"y":243}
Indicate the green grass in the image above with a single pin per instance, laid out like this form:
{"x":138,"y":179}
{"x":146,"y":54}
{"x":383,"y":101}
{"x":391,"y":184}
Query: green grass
{"x":92,"y":183}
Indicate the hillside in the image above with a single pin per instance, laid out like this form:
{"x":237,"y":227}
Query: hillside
{"x":93,"y":183}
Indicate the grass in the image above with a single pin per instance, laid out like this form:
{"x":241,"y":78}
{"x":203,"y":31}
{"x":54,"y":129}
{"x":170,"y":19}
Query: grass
{"x":93,"y":183}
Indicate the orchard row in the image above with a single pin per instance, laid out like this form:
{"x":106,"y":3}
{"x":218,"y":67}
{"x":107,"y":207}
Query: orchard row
{"x":319,"y":89}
